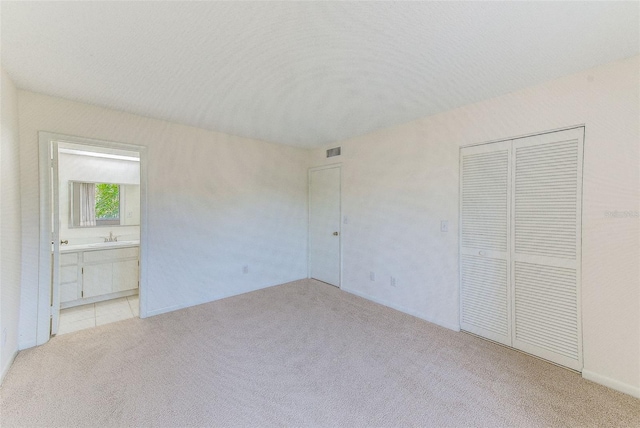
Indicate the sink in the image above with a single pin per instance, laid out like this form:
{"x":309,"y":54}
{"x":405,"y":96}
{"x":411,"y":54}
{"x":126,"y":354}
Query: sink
{"x":98,"y":245}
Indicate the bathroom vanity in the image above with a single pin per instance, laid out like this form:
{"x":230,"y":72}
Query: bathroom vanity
{"x":94,"y":272}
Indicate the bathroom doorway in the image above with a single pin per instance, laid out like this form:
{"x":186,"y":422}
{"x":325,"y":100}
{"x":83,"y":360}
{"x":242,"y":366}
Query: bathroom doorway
{"x":93,"y":209}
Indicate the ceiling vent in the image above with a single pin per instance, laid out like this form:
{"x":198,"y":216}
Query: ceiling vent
{"x":333,"y":152}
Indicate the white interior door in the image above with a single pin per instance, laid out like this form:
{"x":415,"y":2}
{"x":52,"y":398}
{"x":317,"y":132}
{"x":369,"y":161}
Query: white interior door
{"x":55,"y":240}
{"x":324,"y":224}
{"x":484,"y":241}
{"x":547,"y":178}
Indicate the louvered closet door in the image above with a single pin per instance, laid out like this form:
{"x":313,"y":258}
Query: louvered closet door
{"x":484,"y":240}
{"x":546,"y":230}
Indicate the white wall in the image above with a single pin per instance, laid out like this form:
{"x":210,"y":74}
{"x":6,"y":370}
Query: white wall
{"x":218,"y":202}
{"x":73,"y":167}
{"x":10,"y":239}
{"x":215,"y":203}
{"x":399,"y":183}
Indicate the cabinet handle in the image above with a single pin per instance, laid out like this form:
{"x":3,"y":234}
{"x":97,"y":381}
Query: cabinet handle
{"x":482,"y":253}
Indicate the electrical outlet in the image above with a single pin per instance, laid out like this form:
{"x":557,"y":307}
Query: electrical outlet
{"x":245,"y":269}
{"x":372,"y":276}
{"x":444,"y":226}
{"x":393,"y":281}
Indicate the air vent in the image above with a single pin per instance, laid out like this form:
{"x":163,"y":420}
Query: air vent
{"x":333,"y":152}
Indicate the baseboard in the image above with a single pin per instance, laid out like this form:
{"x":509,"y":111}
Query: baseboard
{"x":27,"y":345}
{"x":417,"y":314}
{"x":217,"y":297}
{"x":634,"y":391}
{"x":6,"y":368}
{"x":169,"y":309}
{"x":100,"y":298}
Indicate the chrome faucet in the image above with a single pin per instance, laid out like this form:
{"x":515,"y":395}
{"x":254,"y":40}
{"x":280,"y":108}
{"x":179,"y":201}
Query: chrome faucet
{"x":111,"y":238}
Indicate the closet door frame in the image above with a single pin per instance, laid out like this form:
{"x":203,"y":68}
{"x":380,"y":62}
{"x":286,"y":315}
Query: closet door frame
{"x":511,"y":241}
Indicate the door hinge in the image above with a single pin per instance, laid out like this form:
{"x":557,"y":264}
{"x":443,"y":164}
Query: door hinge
{"x":82,"y":270}
{"x":50,"y":311}
{"x":81,"y":293}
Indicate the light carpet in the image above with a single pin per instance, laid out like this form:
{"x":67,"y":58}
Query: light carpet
{"x":300,"y":354}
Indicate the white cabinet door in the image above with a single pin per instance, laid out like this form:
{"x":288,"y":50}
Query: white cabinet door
{"x":546,"y":255}
{"x":69,"y":292}
{"x":125,"y":275}
{"x":484,"y":241}
{"x":69,"y":289}
{"x":97,"y":279}
{"x":109,"y":271}
{"x":68,"y":274}
{"x":70,"y":281}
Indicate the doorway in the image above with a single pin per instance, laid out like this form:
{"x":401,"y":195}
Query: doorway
{"x":324,"y":224}
{"x":92,"y":219}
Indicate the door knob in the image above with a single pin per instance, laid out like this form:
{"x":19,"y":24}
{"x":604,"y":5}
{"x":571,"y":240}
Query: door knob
{"x":66,"y":241}
{"x":335,"y":233}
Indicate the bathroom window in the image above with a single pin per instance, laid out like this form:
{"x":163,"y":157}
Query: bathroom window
{"x":103,"y":204}
{"x":95,"y":204}
{"x":107,"y":204}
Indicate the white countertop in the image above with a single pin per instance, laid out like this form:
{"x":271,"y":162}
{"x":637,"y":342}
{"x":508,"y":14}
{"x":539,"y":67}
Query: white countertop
{"x":98,"y":246}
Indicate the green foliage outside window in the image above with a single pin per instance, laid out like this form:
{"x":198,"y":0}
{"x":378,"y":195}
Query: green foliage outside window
{"x":107,"y":201}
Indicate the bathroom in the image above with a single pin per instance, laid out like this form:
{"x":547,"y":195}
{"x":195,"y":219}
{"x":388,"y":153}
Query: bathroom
{"x":98,"y":197}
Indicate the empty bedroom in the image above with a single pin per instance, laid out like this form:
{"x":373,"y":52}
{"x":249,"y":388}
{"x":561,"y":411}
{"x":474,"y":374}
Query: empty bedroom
{"x":331,"y":214}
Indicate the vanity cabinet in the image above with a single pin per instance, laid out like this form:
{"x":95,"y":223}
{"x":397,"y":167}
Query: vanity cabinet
{"x":125,"y":275}
{"x":87,"y":276}
{"x":97,"y":279}
{"x":109,"y":271}
{"x":70,"y":277}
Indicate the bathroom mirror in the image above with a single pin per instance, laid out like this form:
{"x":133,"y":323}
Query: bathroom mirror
{"x":103,"y":204}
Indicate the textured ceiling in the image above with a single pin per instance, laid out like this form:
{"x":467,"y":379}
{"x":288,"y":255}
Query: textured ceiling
{"x":309,"y":73}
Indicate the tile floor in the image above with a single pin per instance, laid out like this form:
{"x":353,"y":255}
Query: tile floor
{"x":95,"y":314}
